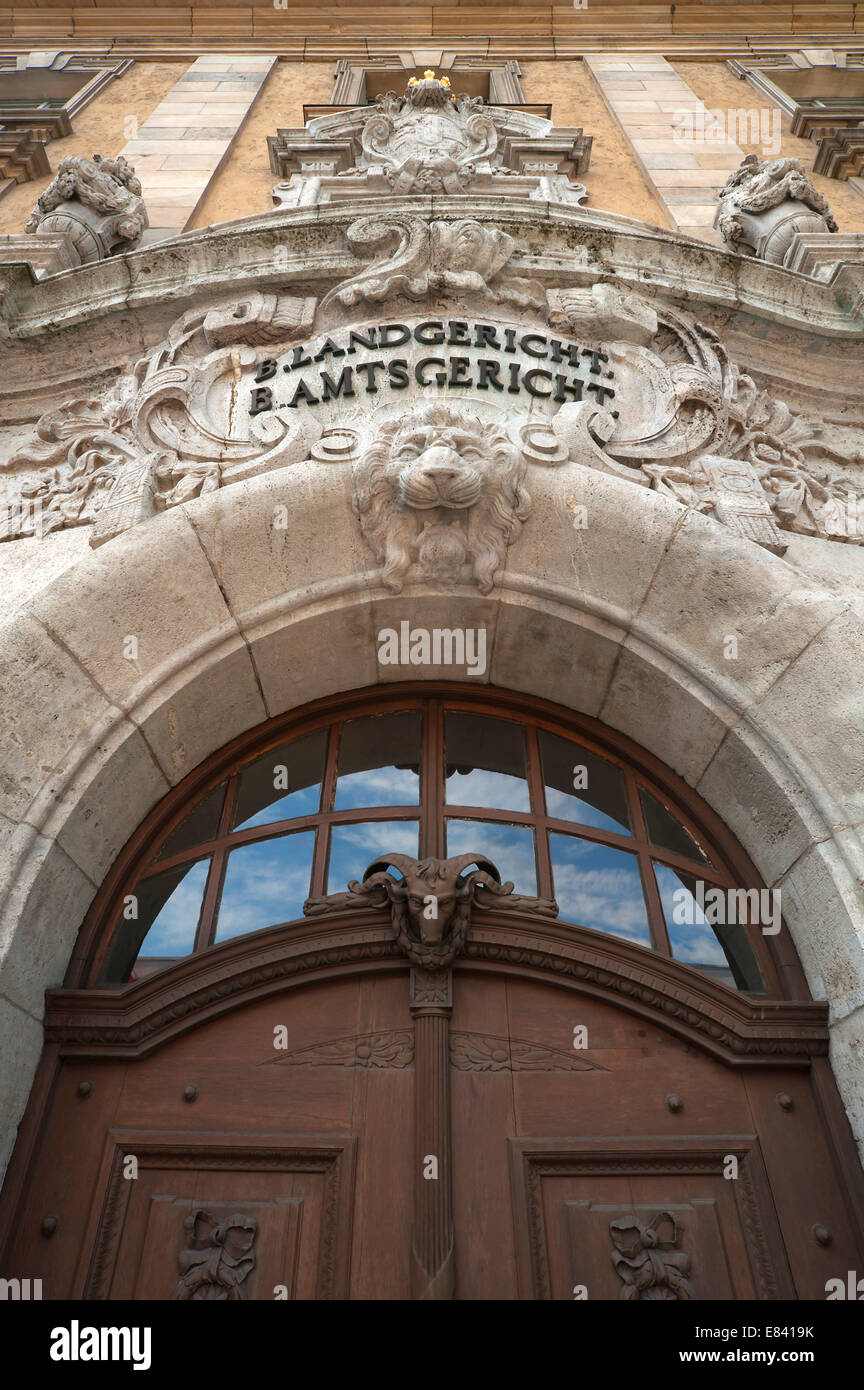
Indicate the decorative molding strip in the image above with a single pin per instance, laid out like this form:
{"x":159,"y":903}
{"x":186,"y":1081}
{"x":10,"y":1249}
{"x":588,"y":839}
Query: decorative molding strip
{"x":737,"y":1029}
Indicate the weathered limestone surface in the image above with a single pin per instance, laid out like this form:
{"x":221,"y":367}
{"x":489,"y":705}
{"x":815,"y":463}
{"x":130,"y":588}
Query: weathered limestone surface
{"x":620,"y":567}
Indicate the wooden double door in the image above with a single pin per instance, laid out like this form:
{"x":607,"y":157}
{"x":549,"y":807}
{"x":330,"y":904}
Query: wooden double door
{"x":598,"y":1140}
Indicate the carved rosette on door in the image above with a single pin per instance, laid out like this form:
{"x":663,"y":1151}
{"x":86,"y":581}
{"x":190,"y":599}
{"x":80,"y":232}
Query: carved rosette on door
{"x":431,"y":907}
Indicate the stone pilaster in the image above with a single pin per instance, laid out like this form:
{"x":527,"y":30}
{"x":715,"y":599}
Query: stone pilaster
{"x":432,"y":1253}
{"x":183,"y":144}
{"x":684,"y":157}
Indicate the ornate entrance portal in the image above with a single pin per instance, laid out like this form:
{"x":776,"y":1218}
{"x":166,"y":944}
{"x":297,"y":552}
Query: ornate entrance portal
{"x":421,"y":995}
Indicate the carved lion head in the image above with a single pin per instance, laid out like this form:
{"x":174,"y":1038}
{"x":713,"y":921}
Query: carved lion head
{"x":438,"y":490}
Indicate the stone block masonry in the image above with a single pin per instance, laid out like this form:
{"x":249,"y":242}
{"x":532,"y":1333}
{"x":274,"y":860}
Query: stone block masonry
{"x":684,"y":158}
{"x":183,"y":144}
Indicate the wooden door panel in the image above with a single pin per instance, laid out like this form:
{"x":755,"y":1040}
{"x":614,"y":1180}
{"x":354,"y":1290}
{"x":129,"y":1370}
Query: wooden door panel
{"x":214,"y":1216}
{"x":640,"y":1220}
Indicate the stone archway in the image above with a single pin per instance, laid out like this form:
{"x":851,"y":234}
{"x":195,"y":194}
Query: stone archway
{"x":624,"y":620}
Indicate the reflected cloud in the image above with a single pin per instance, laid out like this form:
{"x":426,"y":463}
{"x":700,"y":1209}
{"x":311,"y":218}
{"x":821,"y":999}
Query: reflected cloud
{"x":353,"y":847}
{"x":599,"y":887}
{"x":173,"y":930}
{"x":265,"y":884}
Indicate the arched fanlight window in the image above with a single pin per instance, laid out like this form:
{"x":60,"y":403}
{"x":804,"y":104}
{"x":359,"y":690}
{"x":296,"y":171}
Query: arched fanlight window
{"x":301,"y":808}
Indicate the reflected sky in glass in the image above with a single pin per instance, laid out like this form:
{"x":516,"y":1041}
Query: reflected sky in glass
{"x":697,"y":942}
{"x":369,"y":751}
{"x":510,"y":847}
{"x":493,"y":751}
{"x":282,"y":784}
{"x":601,"y":797}
{"x":354,"y":847}
{"x":265,"y":884}
{"x":600,"y":887}
{"x":199,"y":826}
{"x":172,"y":932}
{"x":665,"y":831}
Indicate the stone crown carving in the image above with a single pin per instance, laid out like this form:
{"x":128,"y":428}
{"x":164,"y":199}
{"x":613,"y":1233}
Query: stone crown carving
{"x":97,"y":203}
{"x":427,"y":140}
{"x":764,"y":203}
{"x":431,"y":904}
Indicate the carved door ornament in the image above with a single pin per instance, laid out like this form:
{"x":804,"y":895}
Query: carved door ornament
{"x":218,"y":1258}
{"x":431,"y":907}
{"x":648,"y":1259}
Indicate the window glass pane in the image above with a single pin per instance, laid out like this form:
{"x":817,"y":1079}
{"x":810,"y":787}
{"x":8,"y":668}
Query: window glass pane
{"x":197,"y":827}
{"x":168,"y":907}
{"x":665,"y":831}
{"x":354,"y":847}
{"x":379,"y":761}
{"x":285,"y":782}
{"x":582,"y":787}
{"x":720,"y":949}
{"x":485,"y":763}
{"x":600,"y":887}
{"x":265,"y":884}
{"x":510,"y":847}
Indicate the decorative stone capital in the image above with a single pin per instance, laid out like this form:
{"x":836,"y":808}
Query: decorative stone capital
{"x":764,"y":203}
{"x":97,"y":203}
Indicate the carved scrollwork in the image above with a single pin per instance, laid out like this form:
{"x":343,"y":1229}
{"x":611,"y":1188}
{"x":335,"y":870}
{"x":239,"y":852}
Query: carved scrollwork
{"x":431,"y":904}
{"x":97,"y":203}
{"x":424,"y":257}
{"x":429,"y":141}
{"x":163,"y":433}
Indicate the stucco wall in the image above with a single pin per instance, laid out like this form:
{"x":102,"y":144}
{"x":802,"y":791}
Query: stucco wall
{"x":614,"y":180}
{"x":103,"y":127}
{"x":720,"y":90}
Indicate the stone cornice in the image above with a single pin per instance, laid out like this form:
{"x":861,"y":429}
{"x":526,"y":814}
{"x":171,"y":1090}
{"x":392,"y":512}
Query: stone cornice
{"x":329,"y":33}
{"x":235,"y":256}
{"x":738,"y":1029}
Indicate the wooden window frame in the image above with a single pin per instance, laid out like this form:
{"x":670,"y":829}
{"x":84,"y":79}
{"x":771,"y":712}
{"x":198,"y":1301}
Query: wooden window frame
{"x":728,"y":866}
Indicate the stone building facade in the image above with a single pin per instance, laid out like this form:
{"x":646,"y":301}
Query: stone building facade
{"x":512,"y":378}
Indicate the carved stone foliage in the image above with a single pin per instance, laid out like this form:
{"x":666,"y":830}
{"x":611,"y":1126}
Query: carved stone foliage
{"x":648,"y":1259}
{"x":765,"y":202}
{"x":163,"y":433}
{"x":707,"y":435}
{"x":428,"y":140}
{"x":423,"y":257}
{"x":97,"y":203}
{"x":440,"y":491}
{"x":218,"y":1258}
{"x":431,"y":904}
{"x":630,"y":386}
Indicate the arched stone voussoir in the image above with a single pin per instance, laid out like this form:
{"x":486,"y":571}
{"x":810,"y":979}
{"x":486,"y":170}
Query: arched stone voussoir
{"x":232,"y":629}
